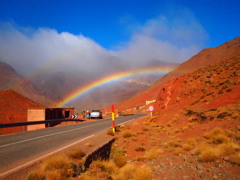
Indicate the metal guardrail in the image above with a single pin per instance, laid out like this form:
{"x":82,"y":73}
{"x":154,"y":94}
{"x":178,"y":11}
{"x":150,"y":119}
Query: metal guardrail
{"x":5,"y":125}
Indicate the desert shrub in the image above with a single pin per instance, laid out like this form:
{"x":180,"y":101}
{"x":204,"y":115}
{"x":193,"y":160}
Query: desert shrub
{"x":127,"y":133}
{"x":120,"y":160}
{"x":140,"y":149}
{"x":106,"y":166}
{"x":153,"y":153}
{"x":118,"y":152}
{"x":235,"y":115}
{"x":237,"y":135}
{"x":55,"y":175}
{"x":174,"y":144}
{"x":228,"y":148}
{"x":54,"y":163}
{"x":134,"y":172}
{"x":208,"y":153}
{"x":58,"y":164}
{"x":213,"y":133}
{"x":110,"y":132}
{"x":177,"y":151}
{"x":220,"y":138}
{"x":187,"y":147}
{"x":76,"y":153}
{"x":182,"y":129}
{"x":236,"y":159}
{"x":220,"y":91}
{"x":35,"y":176}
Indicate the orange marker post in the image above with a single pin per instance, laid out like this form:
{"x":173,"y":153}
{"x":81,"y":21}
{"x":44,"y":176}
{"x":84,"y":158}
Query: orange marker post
{"x":113,"y":119}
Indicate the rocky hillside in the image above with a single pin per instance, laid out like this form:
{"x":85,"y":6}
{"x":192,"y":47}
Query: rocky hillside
{"x":194,"y":132}
{"x":10,"y":79}
{"x":205,"y":58}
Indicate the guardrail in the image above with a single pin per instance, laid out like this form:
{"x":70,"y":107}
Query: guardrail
{"x":5,"y":125}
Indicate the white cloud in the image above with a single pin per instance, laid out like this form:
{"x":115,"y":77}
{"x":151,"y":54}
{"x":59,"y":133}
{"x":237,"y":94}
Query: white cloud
{"x":171,"y":39}
{"x":166,"y":39}
{"x":49,"y":49}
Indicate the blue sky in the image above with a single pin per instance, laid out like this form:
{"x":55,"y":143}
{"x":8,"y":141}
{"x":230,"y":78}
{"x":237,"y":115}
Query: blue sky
{"x":108,"y":22}
{"x":136,"y":31}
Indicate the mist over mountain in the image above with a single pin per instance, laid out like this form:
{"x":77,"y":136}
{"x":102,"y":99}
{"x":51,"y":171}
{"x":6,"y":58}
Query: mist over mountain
{"x":204,"y":58}
{"x":10,"y":79}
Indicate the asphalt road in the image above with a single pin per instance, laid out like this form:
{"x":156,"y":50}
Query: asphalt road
{"x":22,"y":148}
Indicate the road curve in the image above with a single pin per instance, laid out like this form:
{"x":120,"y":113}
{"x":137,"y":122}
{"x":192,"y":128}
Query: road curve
{"x":22,"y":148}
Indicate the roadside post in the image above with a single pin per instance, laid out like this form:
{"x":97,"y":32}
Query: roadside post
{"x":113,"y":119}
{"x":151,"y":109}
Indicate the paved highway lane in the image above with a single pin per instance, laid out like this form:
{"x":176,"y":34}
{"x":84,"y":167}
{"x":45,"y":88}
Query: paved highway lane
{"x":21,"y":148}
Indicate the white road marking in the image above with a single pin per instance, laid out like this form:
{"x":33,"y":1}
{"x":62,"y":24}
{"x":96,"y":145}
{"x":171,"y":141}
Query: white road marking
{"x":125,"y":122}
{"x":42,"y":157}
{"x":49,"y":135}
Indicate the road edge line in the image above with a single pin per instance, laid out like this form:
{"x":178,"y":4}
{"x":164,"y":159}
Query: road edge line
{"x":28,"y":164}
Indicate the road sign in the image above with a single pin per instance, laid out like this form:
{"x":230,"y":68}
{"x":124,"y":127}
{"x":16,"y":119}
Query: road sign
{"x":151,"y":108}
{"x":74,"y":116}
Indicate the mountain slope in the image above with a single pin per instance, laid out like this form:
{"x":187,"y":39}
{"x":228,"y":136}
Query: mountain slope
{"x":194,"y":131}
{"x":203,"y":59}
{"x":57,"y":85}
{"x":10,"y":79}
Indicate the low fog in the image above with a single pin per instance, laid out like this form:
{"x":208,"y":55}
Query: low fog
{"x":32,"y":50}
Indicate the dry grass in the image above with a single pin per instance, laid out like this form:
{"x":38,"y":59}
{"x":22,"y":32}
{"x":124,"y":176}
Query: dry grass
{"x":174,"y":146}
{"x":127,"y":134}
{"x":213,"y":133}
{"x":189,"y":144}
{"x":187,"y":147}
{"x":236,"y":159}
{"x":134,"y":172}
{"x":208,"y":153}
{"x":76,"y":153}
{"x":58,"y":164}
{"x":35,"y":176}
{"x":153,"y":153}
{"x":120,"y":160}
{"x":219,"y":139}
{"x":106,"y":166}
{"x":55,"y":175}
{"x":110,"y":132}
{"x":228,"y":148}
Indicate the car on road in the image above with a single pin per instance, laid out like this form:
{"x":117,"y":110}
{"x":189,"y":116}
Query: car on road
{"x":96,"y":114}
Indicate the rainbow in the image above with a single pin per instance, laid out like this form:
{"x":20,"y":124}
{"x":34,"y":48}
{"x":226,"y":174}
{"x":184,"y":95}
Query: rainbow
{"x":110,"y":79}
